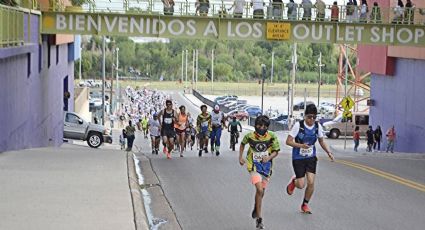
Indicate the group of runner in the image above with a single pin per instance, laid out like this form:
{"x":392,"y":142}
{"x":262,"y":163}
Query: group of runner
{"x":173,"y":124}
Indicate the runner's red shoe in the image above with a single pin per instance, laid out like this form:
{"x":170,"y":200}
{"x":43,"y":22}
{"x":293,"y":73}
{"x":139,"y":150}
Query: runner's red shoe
{"x":305,"y":209}
{"x":291,"y":186}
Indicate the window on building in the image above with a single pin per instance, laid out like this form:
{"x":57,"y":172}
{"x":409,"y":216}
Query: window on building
{"x":362,"y":120}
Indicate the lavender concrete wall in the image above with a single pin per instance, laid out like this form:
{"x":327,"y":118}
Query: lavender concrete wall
{"x":399,"y":101}
{"x":31,"y":99}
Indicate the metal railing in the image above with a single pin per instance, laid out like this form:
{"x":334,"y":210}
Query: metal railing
{"x":12,"y":26}
{"x":271,"y":11}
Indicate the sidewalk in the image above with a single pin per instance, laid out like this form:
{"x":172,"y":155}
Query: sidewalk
{"x":72,"y":187}
{"x":339,"y":148}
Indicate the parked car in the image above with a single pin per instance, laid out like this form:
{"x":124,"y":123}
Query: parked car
{"x":326,"y":107}
{"x":239,"y":114}
{"x":253,"y":111}
{"x":238,"y":107}
{"x":224,"y":97}
{"x":226,"y":100}
{"x":281,"y":117}
{"x":300,"y":105}
{"x":336,"y":127}
{"x":78,"y":129}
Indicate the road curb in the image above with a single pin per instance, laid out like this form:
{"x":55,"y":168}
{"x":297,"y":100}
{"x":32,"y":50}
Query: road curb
{"x":140,"y":218}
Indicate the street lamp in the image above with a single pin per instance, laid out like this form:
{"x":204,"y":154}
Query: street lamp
{"x":81,"y":59}
{"x":116,"y":72}
{"x":263,"y":73}
{"x":319,"y":64}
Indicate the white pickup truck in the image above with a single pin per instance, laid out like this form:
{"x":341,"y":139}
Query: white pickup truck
{"x":78,"y":129}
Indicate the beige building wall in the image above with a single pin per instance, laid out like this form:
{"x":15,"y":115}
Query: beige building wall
{"x":81,"y":103}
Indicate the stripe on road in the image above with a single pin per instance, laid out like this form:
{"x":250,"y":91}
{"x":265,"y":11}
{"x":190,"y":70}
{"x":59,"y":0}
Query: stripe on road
{"x":385,"y":175}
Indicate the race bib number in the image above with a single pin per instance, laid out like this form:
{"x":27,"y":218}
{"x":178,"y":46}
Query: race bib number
{"x":258,"y":156}
{"x":204,"y":124}
{"x":306,"y":152}
{"x":168,"y":120}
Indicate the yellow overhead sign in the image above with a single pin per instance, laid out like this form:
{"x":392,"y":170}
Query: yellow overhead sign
{"x":278,"y":31}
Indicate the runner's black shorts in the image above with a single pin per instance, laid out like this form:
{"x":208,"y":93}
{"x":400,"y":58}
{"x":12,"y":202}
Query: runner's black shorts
{"x":169,"y":133}
{"x":301,"y":166}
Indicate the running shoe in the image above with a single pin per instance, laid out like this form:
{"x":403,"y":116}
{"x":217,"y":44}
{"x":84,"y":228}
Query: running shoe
{"x":260,"y":224}
{"x":291,"y":186}
{"x":153,"y":151}
{"x":164,"y":150}
{"x":305,"y":209}
{"x":168,"y":154}
{"x":212,"y":148}
{"x":200,"y":153}
{"x":206,"y":150}
{"x":217,"y":153}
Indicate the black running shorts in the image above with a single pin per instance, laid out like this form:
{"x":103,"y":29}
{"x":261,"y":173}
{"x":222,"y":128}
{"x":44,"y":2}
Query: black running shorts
{"x":169,"y":133}
{"x":301,"y":166}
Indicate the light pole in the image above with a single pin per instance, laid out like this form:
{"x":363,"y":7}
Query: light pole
{"x":271,"y":73}
{"x":263,"y":77}
{"x":294,"y":64}
{"x":212,"y":71}
{"x":319,"y":64}
{"x":117,"y":94}
{"x":103,"y":79}
{"x":81,"y":58}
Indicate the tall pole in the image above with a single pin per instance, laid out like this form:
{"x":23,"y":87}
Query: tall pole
{"x":186,"y":68}
{"x":103,"y":80}
{"x":345,"y":91}
{"x":181,"y":80}
{"x":263,"y":77}
{"x":271,"y":74}
{"x":81,"y":58}
{"x":294,"y":64}
{"x":196,"y":76}
{"x":193,"y":67}
{"x":111,"y":91}
{"x":320,"y":78}
{"x":289,"y":88}
{"x":212,"y":71}
{"x":117,"y":93}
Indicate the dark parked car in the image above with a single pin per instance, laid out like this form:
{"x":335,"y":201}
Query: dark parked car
{"x":300,"y":105}
{"x":253,"y":111}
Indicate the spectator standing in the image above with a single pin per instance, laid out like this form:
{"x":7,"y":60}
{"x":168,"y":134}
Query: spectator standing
{"x":335,"y":12}
{"x":168,"y":7}
{"x":238,"y":6}
{"x":370,"y":140}
{"x":375,"y":16}
{"x":257,"y":6}
{"x":292,"y":10}
{"x":203,"y":7}
{"x":378,"y":137}
{"x":277,"y":9}
{"x":391,"y":135}
{"x":409,"y":12}
{"x":307,"y":5}
{"x":363,"y":11}
{"x":356,"y":11}
{"x":349,"y":11}
{"x":320,"y":7}
{"x":398,"y":12}
{"x":356,"y":138}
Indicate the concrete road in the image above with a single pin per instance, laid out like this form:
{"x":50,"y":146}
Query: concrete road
{"x":357,"y":192}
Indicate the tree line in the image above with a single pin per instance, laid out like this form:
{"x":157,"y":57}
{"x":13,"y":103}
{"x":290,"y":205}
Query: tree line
{"x":236,"y":61}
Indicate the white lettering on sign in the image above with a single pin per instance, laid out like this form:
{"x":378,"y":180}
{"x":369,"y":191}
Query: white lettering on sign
{"x":229,"y":30}
{"x":297,"y":34}
{"x":328,"y":32}
{"x":240,"y":29}
{"x":389,"y":34}
{"x":419,"y":33}
{"x":180,"y":27}
{"x":79,"y":22}
{"x":211,"y":29}
{"x":92,"y":23}
{"x":258,"y":28}
{"x":136,"y":25}
{"x":317,"y":36}
{"x":158,"y":23}
{"x":123,"y":25}
{"x":409,"y":35}
{"x":375,"y":34}
{"x":110,"y":26}
{"x":60,"y":22}
{"x":359,"y":33}
{"x":191,"y":26}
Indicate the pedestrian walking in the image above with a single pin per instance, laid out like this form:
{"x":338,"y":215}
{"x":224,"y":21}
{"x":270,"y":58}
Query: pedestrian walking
{"x":302,"y":139}
{"x":356,"y":138}
{"x":130,"y":132}
{"x":377,"y":134}
{"x":370,"y":139}
{"x":391,"y":135}
{"x":263,"y":148}
{"x":123,"y":137}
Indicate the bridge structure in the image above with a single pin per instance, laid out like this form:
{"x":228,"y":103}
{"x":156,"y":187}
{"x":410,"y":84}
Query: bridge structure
{"x":383,"y":38}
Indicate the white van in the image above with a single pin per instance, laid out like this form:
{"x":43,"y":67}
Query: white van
{"x":336,"y":127}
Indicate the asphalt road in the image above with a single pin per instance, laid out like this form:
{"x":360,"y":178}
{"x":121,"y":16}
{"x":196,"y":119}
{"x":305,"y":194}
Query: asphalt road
{"x":356,"y":192}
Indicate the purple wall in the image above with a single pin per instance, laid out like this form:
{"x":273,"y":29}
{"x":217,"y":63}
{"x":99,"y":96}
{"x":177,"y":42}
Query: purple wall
{"x":31,"y":98}
{"x":399,"y":102}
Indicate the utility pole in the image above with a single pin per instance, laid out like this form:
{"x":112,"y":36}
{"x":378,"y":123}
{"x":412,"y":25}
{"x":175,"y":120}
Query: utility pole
{"x":271,"y":74}
{"x":103,"y":79}
{"x":345,"y":92}
{"x":320,"y":78}
{"x":263,"y":77}
{"x":182,"y":66}
{"x":294,"y":64}
{"x":118,"y":93}
{"x":81,"y":59}
{"x":212,"y":71}
{"x":193,"y":67}
{"x":196,"y":76}
{"x":186,"y":69}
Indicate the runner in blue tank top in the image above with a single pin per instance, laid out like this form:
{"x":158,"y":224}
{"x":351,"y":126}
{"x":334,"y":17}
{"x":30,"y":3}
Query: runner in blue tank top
{"x":302,"y":139}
